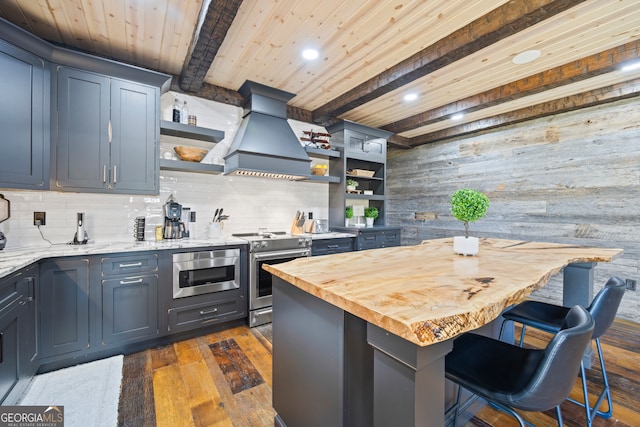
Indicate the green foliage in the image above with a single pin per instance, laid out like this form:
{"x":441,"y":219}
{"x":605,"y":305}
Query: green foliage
{"x":348,"y":212}
{"x":351,"y":182}
{"x":468,"y":206}
{"x":371,"y":212}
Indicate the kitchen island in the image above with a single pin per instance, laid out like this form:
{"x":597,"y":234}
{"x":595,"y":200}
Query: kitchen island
{"x":360,"y":338}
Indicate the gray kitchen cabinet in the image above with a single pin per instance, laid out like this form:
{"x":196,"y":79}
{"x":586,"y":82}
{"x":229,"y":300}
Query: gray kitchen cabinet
{"x":64,"y":308}
{"x":24,"y":119}
{"x":364,"y":151}
{"x":362,"y":143}
{"x":18,"y":350}
{"x":373,"y":238}
{"x":129,"y":298}
{"x":210,"y":310}
{"x":107,"y":134}
{"x":331,"y":246}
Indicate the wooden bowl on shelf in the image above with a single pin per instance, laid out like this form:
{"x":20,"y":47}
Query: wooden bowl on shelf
{"x":190,"y":154}
{"x":320,"y":170}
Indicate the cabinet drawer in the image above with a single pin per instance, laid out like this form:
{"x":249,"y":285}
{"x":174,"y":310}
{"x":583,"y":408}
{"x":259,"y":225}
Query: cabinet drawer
{"x":130,"y":264}
{"x":203,"y":314}
{"x":370,"y":240}
{"x":331,"y":246}
{"x":391,"y":238}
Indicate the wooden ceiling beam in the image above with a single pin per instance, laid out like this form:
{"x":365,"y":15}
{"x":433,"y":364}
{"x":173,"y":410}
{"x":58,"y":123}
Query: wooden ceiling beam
{"x":206,"y":42}
{"x":232,"y":97}
{"x":582,"y":69}
{"x":586,"y":99}
{"x":211,"y":92}
{"x":502,"y":22}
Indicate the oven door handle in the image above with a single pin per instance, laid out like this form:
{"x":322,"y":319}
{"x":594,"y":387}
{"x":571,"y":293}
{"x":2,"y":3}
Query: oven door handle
{"x":279,"y":254}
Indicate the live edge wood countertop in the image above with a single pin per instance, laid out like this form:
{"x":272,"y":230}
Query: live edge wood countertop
{"x":426,"y":293}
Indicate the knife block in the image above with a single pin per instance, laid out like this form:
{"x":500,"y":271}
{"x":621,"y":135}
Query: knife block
{"x":295,"y":229}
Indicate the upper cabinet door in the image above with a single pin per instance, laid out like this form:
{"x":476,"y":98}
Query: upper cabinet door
{"x":24,"y":119}
{"x":365,"y":146}
{"x":82,"y":157}
{"x":134,"y":146}
{"x":107,"y":134}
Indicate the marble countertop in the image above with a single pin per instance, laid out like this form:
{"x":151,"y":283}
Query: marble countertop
{"x":14,"y":259}
{"x":330,"y":235}
{"x":426,"y":293}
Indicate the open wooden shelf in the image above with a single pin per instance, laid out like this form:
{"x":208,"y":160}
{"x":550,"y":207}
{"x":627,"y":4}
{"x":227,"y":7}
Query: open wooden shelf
{"x":182,"y":166}
{"x":191,"y":132}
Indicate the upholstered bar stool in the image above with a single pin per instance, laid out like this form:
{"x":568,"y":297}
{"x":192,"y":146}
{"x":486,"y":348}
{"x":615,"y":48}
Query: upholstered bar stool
{"x":511,"y":377}
{"x":549,"y":317}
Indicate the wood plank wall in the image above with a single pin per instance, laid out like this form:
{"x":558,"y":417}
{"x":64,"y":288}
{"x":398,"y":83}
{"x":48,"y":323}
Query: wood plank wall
{"x":573,"y":177}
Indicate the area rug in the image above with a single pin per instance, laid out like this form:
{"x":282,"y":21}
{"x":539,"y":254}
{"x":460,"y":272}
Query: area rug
{"x":89,"y":392}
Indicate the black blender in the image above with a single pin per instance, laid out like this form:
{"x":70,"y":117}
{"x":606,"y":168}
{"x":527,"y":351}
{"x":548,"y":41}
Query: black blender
{"x":173,"y":226}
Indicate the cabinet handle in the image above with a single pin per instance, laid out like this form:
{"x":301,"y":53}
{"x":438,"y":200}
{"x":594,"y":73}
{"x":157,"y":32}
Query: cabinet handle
{"x":115,"y":174}
{"x":31,"y":281}
{"x":130,"y":282}
{"x":104,"y":173}
{"x":333,"y":246}
{"x":205,"y":312}
{"x":135,"y":264}
{"x":110,"y":131}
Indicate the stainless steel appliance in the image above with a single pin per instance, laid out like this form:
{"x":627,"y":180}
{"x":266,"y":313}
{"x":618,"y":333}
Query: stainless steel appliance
{"x":81,"y":237}
{"x":173,"y":226}
{"x":269,"y":248}
{"x":197,"y":273}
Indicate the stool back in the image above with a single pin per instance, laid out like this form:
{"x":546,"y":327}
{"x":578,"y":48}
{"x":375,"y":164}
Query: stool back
{"x":558,"y":368}
{"x":605,"y":305}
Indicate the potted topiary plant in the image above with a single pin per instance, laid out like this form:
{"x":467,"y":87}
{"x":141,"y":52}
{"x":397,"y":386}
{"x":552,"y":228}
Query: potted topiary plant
{"x":348,"y":214}
{"x":370,"y":214}
{"x":467,"y":206}
{"x":351,"y":185}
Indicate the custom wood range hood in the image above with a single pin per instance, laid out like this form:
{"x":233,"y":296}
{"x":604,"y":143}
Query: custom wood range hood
{"x":265,"y":145}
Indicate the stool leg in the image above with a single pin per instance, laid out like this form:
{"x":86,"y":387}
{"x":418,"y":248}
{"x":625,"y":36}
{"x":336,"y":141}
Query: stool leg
{"x":457,"y":407}
{"x":606,"y":391}
{"x":559,"y":416}
{"x":591,"y":412}
{"x":524,"y":328}
{"x":585,"y":393}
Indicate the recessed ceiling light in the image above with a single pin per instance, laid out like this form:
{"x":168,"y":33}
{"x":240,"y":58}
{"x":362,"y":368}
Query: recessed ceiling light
{"x":457,"y":116}
{"x":632,"y":66}
{"x":411,"y":97}
{"x":310,"y":54}
{"x":526,"y":57}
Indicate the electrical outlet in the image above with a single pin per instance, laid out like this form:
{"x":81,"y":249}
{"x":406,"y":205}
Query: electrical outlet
{"x":631,"y":284}
{"x":39,"y":218}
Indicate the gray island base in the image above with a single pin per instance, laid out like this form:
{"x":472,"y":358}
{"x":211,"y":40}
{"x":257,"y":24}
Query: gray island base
{"x":331,"y":368}
{"x":361,"y":341}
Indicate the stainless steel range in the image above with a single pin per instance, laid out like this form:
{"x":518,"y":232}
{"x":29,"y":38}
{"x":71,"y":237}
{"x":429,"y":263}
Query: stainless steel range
{"x":270,"y":248}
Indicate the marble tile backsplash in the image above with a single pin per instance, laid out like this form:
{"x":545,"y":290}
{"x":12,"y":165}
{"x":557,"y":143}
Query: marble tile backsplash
{"x":249,"y":202}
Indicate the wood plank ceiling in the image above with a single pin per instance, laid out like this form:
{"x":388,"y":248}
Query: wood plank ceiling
{"x":456,"y":55}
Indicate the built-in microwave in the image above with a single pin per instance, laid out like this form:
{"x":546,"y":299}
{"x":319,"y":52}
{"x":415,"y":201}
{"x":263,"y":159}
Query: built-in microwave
{"x":197,"y":273}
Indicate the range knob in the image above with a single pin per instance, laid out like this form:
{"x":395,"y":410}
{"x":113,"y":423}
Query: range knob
{"x":304,"y":242}
{"x":263,"y":244}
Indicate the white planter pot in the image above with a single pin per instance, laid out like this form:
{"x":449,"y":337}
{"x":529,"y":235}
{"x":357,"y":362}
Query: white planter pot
{"x":351,"y":188}
{"x":466,"y":245}
{"x":369,"y":221}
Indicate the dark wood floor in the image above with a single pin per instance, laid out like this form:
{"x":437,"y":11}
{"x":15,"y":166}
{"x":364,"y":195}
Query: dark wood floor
{"x":224,"y":379}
